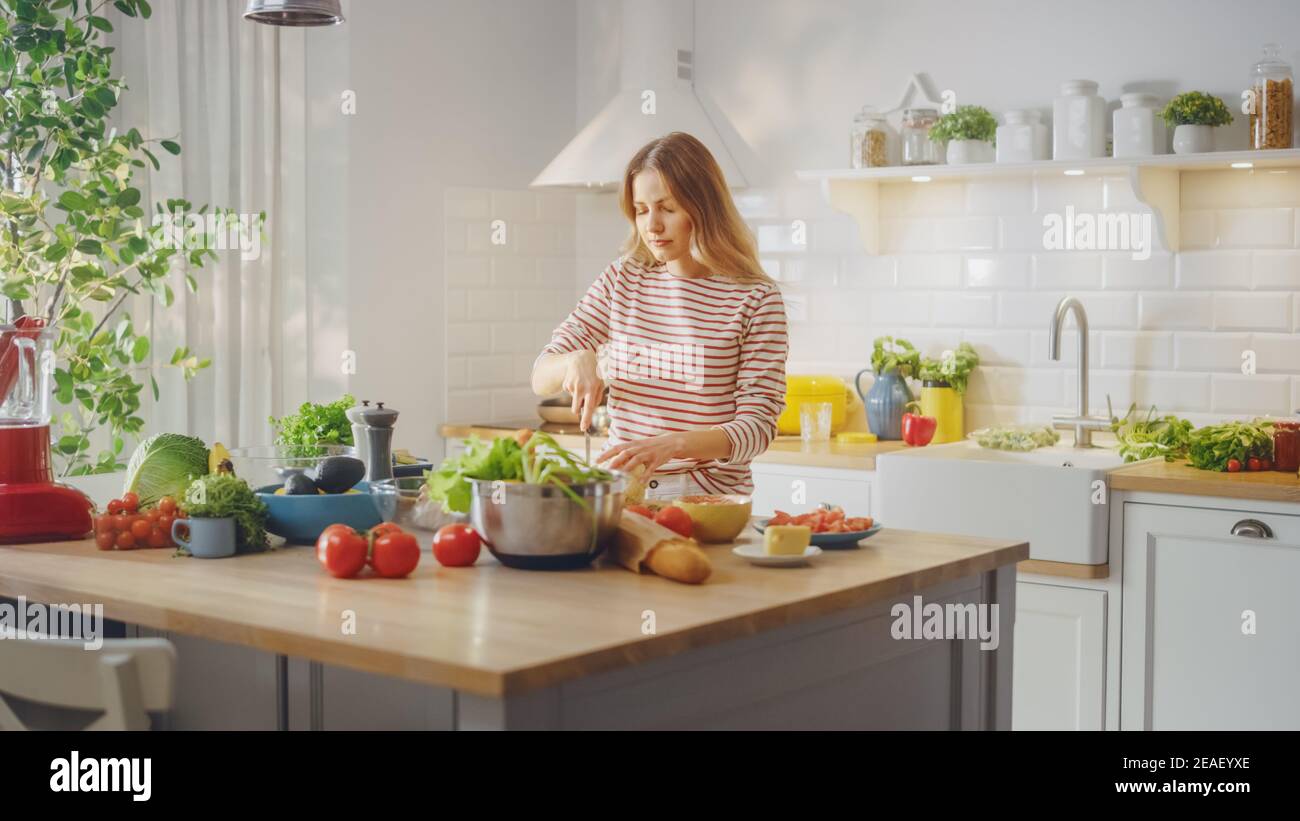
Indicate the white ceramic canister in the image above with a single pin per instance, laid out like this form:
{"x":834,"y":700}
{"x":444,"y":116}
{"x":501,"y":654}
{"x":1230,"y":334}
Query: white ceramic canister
{"x":1078,"y":122}
{"x":1138,"y":129}
{"x":1023,"y":137}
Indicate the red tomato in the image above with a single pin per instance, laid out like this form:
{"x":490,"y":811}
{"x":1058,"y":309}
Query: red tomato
{"x":104,"y":524}
{"x":1265,"y":464}
{"x":115,"y":506}
{"x":140,"y":529}
{"x":125,"y":541}
{"x":676,"y":520}
{"x":395,"y":554}
{"x":167,"y":505}
{"x":456,"y":546}
{"x":1253,"y":463}
{"x":165,"y":524}
{"x":1234,"y":465}
{"x":153,"y":514}
{"x":640,"y":510}
{"x":375,"y":532}
{"x":121,"y":522}
{"x":158,"y":539}
{"x":341,"y":551}
{"x":130,"y":502}
{"x":106,"y":539}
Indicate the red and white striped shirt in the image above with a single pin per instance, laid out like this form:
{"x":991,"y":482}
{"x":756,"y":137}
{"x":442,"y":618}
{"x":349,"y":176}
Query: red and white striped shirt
{"x":686,"y":354}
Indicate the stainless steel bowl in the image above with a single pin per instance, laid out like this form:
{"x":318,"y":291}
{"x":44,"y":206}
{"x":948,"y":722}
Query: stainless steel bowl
{"x":538,"y":527}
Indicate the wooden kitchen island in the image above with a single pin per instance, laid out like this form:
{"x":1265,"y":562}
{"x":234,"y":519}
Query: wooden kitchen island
{"x":270,"y":640}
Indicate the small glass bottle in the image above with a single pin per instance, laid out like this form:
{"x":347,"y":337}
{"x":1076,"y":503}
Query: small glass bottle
{"x":1139,"y":131}
{"x":869,"y":140}
{"x":1271,"y":92}
{"x":1078,"y":122}
{"x":918,"y":148}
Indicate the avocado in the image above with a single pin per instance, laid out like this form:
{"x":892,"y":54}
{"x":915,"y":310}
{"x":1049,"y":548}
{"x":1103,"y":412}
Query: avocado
{"x":300,"y":484}
{"x":338,"y":473}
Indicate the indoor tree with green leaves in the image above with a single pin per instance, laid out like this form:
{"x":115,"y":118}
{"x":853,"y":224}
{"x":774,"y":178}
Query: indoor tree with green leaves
{"x":74,"y":242}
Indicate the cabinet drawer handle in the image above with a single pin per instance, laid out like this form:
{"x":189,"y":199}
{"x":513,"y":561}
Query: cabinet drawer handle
{"x":1253,"y":528}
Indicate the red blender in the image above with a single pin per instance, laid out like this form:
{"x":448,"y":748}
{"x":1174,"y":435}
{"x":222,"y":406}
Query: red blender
{"x":33,"y":507}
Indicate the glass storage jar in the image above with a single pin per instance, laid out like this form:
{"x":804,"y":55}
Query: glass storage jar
{"x":869,"y":140}
{"x":1078,"y":122}
{"x":918,"y":148}
{"x":1271,"y":92}
{"x":1139,"y":130}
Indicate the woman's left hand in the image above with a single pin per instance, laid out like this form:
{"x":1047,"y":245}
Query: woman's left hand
{"x":652,"y":453}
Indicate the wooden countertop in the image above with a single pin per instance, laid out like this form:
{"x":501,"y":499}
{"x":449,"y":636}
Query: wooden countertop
{"x":487,"y":629}
{"x":784,"y":450}
{"x":1179,"y":477}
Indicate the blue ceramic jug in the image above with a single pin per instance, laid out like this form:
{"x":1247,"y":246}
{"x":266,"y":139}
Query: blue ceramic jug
{"x":886,"y":403}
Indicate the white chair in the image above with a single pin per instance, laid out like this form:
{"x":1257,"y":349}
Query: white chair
{"x":124,"y":678}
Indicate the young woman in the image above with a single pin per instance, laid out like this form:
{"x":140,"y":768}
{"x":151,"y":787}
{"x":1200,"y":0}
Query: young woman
{"x":694,"y":333}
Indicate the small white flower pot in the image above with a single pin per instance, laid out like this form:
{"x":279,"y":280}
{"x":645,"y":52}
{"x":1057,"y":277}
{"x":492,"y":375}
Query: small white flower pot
{"x":963,"y":152}
{"x":1193,"y":139}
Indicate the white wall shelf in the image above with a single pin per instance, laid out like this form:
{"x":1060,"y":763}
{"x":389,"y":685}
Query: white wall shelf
{"x":1156,"y":182}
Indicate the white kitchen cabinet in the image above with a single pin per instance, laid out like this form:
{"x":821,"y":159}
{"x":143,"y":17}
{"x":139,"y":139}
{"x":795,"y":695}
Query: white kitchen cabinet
{"x":1195,"y":579}
{"x":796,"y":489}
{"x":1060,"y":658}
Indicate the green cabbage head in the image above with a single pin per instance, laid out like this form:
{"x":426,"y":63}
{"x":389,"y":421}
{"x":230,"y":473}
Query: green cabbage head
{"x":164,"y":465}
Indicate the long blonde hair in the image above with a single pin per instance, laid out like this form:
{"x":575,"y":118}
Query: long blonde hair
{"x":720,"y":240}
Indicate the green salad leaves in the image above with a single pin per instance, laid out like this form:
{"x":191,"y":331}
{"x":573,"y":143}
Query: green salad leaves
{"x":1145,"y":438}
{"x":218,"y":495}
{"x":316,"y":424}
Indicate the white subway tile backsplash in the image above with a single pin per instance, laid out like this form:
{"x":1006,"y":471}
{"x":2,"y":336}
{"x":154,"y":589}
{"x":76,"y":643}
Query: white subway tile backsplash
{"x":964,"y":310}
{"x":1039,"y":350}
{"x":1192,"y":311}
{"x":1213,"y":270}
{"x":1171,"y":392}
{"x":540,"y":304}
{"x":929,"y":271}
{"x":796,"y":306}
{"x":1118,"y":195}
{"x":468,"y":203}
{"x":1120,"y":272}
{"x":999,"y":197}
{"x":906,"y":235}
{"x":473,"y":272}
{"x":1276,"y":353}
{"x":557,"y":206}
{"x":940,"y":198}
{"x":840,"y":307}
{"x":869,"y":271}
{"x":468,"y":338}
{"x":1067,"y":270}
{"x":494,"y":237}
{"x":457,"y":305}
{"x":1145,"y":350}
{"x":514,"y":206}
{"x":784,"y":237}
{"x":469,"y":406}
{"x":771,"y":267}
{"x":510,"y":337}
{"x":1120,"y":386}
{"x":1021,"y":233}
{"x":1279,"y":270}
{"x":1238,"y":188}
{"x":490,"y":304}
{"x":997,"y":271}
{"x":1000,"y":347}
{"x":1254,"y":394}
{"x":513,"y":403}
{"x":1260,"y":311}
{"x":490,"y":371}
{"x":536,"y":238}
{"x":1295,"y":313}
{"x":895,"y":308}
{"x":966,"y":234}
{"x":837,"y":236}
{"x":457,"y":236}
{"x":1035,"y":309}
{"x":1198,"y":230}
{"x":565,"y":274}
{"x":811,"y":273}
{"x":1027,"y":386}
{"x":457,"y":374}
{"x":1256,"y":228}
{"x":811,"y":341}
{"x":759,"y":203}
{"x":1052,"y":195}
{"x":513,"y":272}
{"x":1209,"y":351}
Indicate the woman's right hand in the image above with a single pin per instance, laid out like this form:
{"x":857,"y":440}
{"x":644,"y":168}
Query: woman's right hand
{"x":582,"y":381}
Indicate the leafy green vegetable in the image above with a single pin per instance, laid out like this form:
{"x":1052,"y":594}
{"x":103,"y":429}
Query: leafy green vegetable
{"x":1016,"y":437}
{"x":1168,"y":436}
{"x":1212,"y":446}
{"x":889,"y":354}
{"x":218,"y":495}
{"x":968,"y":122}
{"x":316,"y":424}
{"x":954,"y":367}
{"x":164,"y":465}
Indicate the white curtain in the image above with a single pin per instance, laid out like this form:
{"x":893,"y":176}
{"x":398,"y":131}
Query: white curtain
{"x":230,"y":92}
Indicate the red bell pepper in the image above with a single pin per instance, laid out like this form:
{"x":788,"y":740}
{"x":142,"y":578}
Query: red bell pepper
{"x":918,"y":430}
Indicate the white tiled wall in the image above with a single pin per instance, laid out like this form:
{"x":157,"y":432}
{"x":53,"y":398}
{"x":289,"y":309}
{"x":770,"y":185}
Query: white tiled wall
{"x":503,"y":300}
{"x":965,"y":262}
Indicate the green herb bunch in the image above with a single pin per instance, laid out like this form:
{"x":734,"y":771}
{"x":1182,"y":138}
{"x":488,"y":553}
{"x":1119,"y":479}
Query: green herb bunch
{"x":1196,"y":108}
{"x":968,"y":122}
{"x":889,"y":354}
{"x":1212,"y":446}
{"x":316,"y":424}
{"x":954,"y":367}
{"x":1147,"y":437}
{"x":218,"y":495}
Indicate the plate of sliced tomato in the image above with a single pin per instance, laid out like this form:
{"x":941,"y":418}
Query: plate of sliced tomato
{"x":830,"y":527}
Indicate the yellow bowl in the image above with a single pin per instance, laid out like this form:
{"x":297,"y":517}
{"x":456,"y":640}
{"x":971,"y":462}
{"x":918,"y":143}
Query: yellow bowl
{"x":717,"y":521}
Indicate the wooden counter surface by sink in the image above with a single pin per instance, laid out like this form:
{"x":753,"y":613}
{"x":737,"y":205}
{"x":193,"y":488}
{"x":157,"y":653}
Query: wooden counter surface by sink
{"x":784,"y":450}
{"x":486,"y":630}
{"x":1180,"y":477}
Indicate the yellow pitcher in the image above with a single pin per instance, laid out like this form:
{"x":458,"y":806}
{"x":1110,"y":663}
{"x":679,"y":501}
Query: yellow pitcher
{"x":941,"y":400}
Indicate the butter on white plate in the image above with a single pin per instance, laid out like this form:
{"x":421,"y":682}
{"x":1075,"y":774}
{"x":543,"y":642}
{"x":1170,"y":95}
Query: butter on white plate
{"x":756,"y":554}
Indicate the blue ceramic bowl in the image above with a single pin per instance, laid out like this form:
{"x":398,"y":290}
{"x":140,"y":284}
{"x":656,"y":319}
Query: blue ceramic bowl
{"x":300,"y":519}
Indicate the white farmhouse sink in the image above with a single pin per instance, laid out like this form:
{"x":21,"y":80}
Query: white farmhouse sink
{"x":1046,"y":497}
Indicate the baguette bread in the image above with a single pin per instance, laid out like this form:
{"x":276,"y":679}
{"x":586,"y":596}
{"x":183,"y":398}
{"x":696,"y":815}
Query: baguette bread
{"x":642,"y":544}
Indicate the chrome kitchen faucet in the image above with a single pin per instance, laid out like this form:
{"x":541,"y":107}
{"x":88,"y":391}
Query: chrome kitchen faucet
{"x":1081,"y":423}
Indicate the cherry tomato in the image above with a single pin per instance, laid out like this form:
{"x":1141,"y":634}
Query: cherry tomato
{"x":676,"y":520}
{"x":104,"y":524}
{"x":1265,"y":464}
{"x":106,"y":539}
{"x":125,"y":540}
{"x":1252,"y":463}
{"x":456,"y":546}
{"x":341,"y":551}
{"x":1234,"y":465}
{"x":167,"y":505}
{"x":130,"y":502}
{"x":640,"y":510}
{"x":141,"y":529}
{"x":115,"y":506}
{"x":121,"y":522}
{"x":165,"y":524}
{"x":153,"y":514}
{"x":157,"y":538}
{"x":394,"y":554}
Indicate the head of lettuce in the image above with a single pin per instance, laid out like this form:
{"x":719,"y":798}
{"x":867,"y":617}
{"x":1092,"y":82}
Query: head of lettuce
{"x":164,"y":465}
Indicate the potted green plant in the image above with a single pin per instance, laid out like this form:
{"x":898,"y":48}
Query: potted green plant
{"x":893,"y":361}
{"x":223,"y":517}
{"x":1194,"y":115}
{"x":970,"y":132}
{"x":943,"y":388}
{"x":76,"y":241}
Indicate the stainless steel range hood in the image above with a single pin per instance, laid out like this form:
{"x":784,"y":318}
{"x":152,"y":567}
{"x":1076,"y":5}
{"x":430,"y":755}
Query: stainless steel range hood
{"x":656,"y":95}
